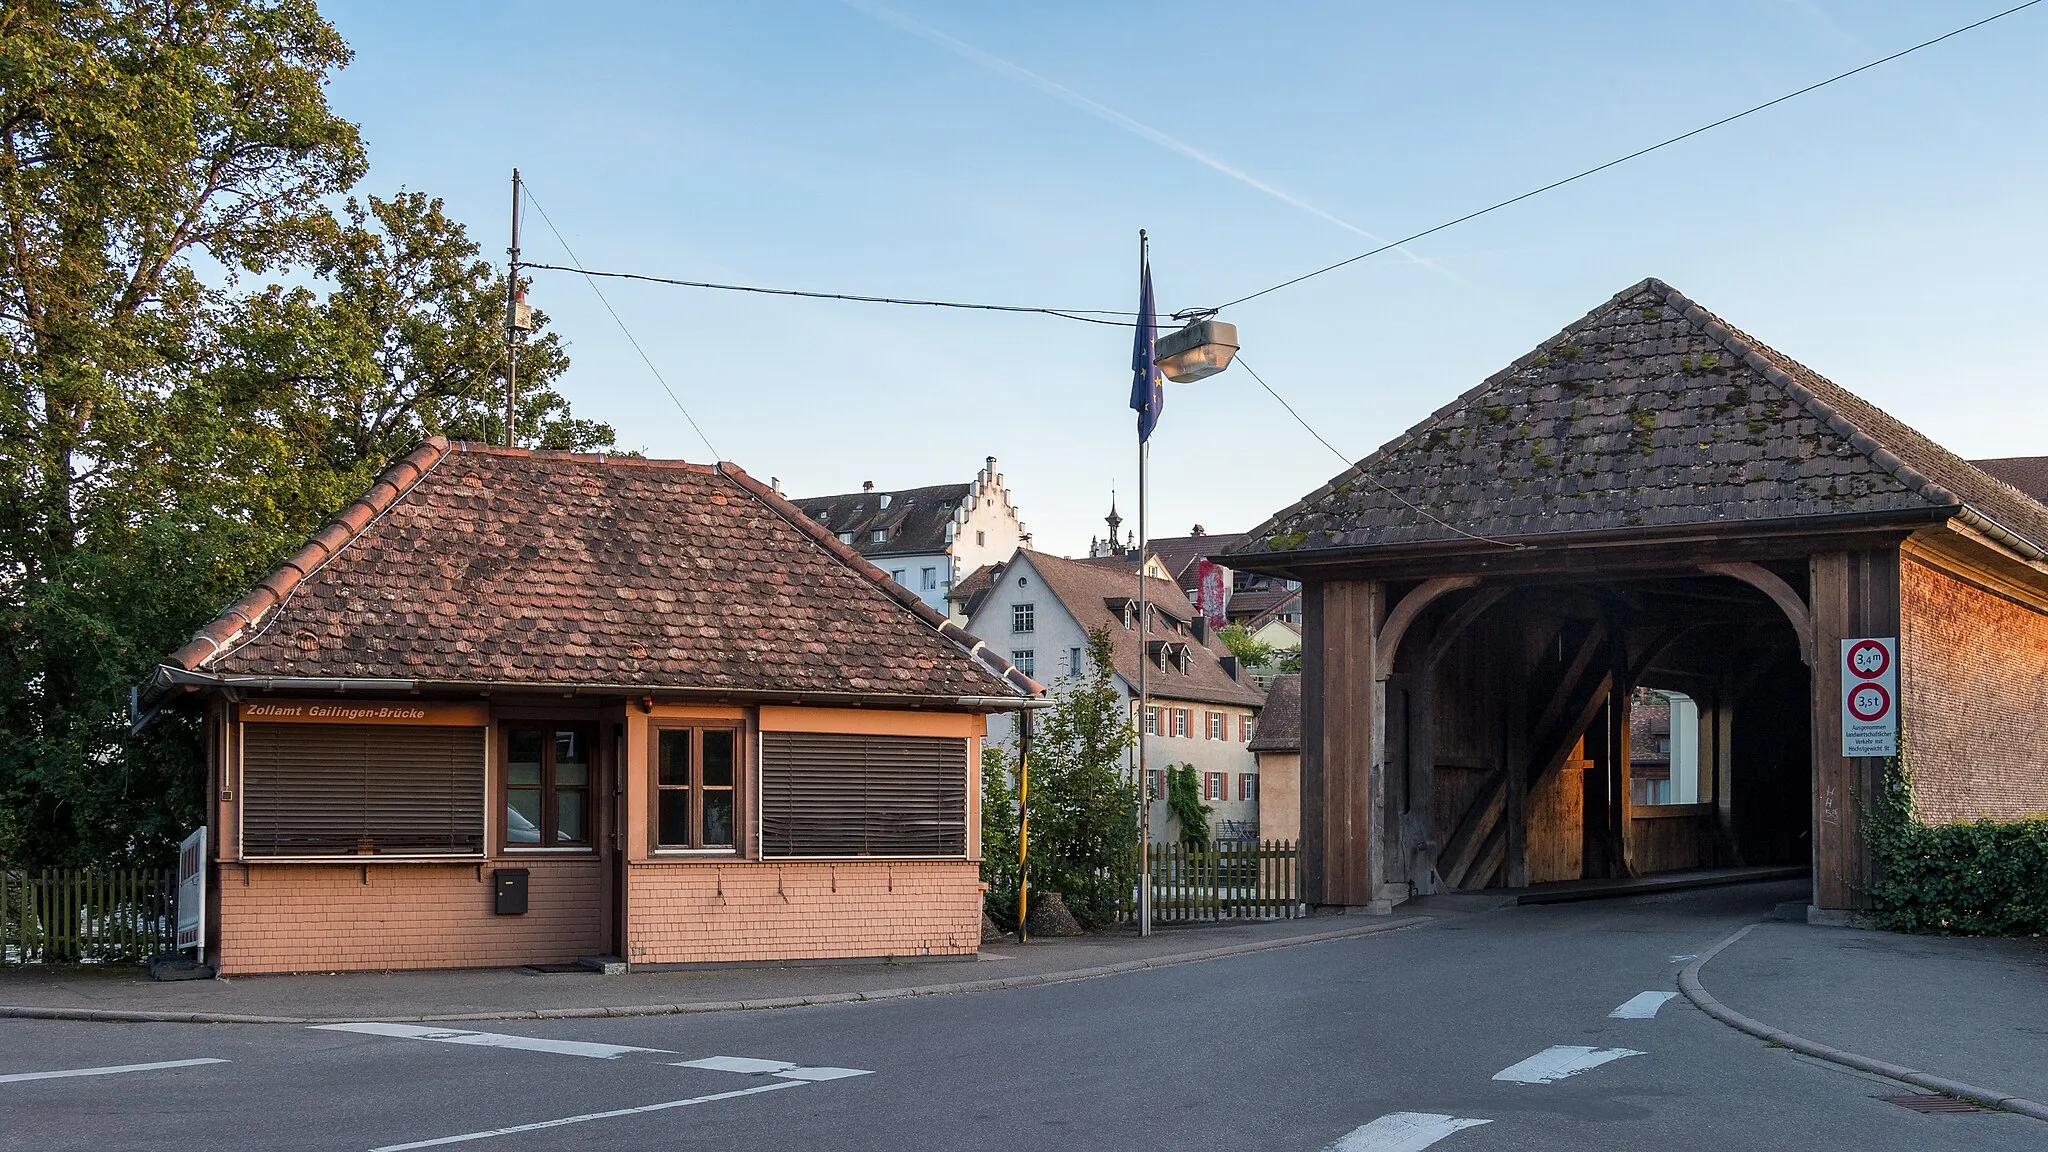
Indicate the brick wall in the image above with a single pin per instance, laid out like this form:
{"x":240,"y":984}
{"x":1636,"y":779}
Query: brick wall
{"x":1974,"y":696}
{"x":350,"y":917}
{"x":768,"y":910}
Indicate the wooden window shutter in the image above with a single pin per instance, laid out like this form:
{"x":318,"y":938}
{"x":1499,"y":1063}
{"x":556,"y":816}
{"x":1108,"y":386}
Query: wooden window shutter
{"x":831,"y":794}
{"x":336,"y":789}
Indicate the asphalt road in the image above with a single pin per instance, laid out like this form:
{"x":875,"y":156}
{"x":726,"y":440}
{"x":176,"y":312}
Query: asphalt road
{"x":1403,"y":1035}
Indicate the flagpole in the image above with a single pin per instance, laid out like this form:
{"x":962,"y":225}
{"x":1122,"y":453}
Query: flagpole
{"x":1144,"y":658}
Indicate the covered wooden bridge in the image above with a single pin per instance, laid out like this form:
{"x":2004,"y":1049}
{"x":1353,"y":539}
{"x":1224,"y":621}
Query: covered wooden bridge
{"x":1586,"y":621}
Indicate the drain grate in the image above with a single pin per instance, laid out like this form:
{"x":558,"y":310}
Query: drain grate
{"x":1933,"y":1103}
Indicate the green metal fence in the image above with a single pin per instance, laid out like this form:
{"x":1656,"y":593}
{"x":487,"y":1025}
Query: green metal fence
{"x":1226,"y":880}
{"x":86,"y":915}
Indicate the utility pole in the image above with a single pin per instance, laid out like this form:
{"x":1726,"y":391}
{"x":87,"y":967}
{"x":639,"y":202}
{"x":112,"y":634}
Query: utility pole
{"x":514,"y":323}
{"x":1144,"y":623}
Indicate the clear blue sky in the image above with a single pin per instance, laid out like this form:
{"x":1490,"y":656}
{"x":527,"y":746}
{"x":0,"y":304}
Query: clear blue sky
{"x":1887,"y":231}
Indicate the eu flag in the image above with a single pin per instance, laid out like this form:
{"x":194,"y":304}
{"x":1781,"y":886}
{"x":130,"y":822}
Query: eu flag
{"x":1148,"y":384}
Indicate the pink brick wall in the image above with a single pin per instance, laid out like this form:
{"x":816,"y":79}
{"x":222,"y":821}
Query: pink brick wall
{"x":329,"y":918}
{"x":769,"y":910}
{"x":1973,"y":693}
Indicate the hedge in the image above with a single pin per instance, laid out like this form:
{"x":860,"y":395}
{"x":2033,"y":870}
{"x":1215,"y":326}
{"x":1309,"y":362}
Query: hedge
{"x":1981,"y":878}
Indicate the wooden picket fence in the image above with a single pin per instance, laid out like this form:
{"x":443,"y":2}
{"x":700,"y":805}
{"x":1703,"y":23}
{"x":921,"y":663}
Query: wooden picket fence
{"x":1226,"y":880}
{"x":87,"y":915}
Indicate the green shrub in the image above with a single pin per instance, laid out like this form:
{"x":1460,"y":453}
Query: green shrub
{"x":1982,"y":878}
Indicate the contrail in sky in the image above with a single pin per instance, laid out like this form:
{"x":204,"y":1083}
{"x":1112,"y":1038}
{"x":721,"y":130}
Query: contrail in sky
{"x":1103,"y":112}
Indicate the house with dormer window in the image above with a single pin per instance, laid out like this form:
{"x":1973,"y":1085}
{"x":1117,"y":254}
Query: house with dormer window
{"x":926,"y":539}
{"x":1201,"y":709}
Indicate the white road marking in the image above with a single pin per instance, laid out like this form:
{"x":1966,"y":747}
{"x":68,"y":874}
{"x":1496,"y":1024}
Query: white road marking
{"x":1642,"y":1006}
{"x":113,"y":1070}
{"x":1402,"y":1132}
{"x":492,"y":1040}
{"x":779,"y":1068}
{"x":816,"y":1074}
{"x":736,"y":1064}
{"x":1560,"y":1061}
{"x":566,"y":1120}
{"x":1683,"y":959}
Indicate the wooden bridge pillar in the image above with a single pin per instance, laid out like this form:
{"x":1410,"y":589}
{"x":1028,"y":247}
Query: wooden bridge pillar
{"x":1341,"y":722}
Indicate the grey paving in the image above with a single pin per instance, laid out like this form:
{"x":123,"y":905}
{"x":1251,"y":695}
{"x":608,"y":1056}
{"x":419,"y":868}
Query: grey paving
{"x":1969,"y":1009}
{"x":1284,"y":1049}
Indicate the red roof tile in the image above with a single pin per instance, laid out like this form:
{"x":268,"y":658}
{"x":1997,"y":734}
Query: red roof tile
{"x":468,"y":564}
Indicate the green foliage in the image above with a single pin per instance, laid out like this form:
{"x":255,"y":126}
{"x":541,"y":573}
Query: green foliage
{"x":1982,"y":878}
{"x":999,"y":833}
{"x":1249,"y":650}
{"x":167,"y":436}
{"x":1084,"y":828}
{"x":1184,"y":802}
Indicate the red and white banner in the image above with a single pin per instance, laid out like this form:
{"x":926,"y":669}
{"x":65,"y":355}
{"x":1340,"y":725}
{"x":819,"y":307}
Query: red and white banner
{"x":1212,"y":591}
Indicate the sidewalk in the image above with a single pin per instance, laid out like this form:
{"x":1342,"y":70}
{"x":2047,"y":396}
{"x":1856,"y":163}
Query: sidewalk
{"x":1970,"y":1010}
{"x":509,"y":993}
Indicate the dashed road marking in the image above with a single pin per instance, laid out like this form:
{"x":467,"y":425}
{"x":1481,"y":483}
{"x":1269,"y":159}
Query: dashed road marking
{"x":492,"y":1040}
{"x":1560,"y":1061}
{"x":1642,"y":1006}
{"x":1402,"y":1132}
{"x":111,"y":1070}
{"x":587,"y":1117}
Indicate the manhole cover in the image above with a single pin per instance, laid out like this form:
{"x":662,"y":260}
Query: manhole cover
{"x":1933,"y":1103}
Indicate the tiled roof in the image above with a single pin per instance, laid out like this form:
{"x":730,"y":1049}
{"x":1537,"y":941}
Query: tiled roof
{"x":967,"y":593}
{"x":1180,"y":553}
{"x":2029,"y":474}
{"x":1280,"y":724}
{"x":915,"y":519}
{"x":1648,"y":413}
{"x":467,"y":564}
{"x":1086,"y":592}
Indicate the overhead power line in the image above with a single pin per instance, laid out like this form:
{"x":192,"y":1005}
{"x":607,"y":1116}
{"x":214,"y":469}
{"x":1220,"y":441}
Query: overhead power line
{"x":589,"y":278}
{"x":1640,"y":152}
{"x":1084,"y":315}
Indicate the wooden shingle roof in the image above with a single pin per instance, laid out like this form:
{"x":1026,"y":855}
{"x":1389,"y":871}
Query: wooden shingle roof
{"x":1650,"y":412}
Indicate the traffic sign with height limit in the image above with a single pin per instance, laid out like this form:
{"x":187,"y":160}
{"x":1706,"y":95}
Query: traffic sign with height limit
{"x":1870,"y":696}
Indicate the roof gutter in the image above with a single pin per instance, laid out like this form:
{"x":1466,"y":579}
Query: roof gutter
{"x":2001,"y":533}
{"x":168,"y":681}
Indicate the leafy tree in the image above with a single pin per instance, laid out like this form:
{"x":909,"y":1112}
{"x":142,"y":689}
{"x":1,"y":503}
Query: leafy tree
{"x":136,"y":140}
{"x":999,"y":833}
{"x":1184,"y":802}
{"x":165,"y":439}
{"x":1084,"y":824}
{"x":1249,"y":649}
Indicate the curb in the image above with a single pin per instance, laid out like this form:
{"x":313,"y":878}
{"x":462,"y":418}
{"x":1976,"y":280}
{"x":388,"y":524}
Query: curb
{"x":121,"y":1016}
{"x":1689,"y":983}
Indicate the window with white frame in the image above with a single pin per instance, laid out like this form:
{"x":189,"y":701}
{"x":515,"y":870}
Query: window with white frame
{"x":1025,"y":659}
{"x":1180,"y":722}
{"x":1216,"y":728}
{"x":1151,"y":721}
{"x":897,"y":576}
{"x":880,"y":536}
{"x":931,"y":579}
{"x":1023,"y":617}
{"x":846,"y":537}
{"x":1214,"y":784}
{"x":1247,"y":785}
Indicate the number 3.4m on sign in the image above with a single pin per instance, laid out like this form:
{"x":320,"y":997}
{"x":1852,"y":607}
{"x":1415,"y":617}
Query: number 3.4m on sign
{"x":1870,"y":697}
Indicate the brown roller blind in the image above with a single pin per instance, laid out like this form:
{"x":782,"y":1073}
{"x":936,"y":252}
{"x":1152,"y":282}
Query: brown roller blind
{"x":323,"y":789}
{"x":826,"y":794}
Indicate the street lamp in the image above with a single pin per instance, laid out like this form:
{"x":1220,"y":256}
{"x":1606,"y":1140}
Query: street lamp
{"x":1200,"y":350}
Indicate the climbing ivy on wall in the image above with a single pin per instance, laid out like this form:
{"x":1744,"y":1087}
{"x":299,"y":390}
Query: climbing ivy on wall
{"x":1981,"y":878}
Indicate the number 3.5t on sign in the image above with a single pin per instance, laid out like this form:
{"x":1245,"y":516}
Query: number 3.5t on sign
{"x":1870,"y":696}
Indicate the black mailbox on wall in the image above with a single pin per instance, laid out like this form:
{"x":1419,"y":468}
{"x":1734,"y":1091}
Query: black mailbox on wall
{"x":511,"y":891}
